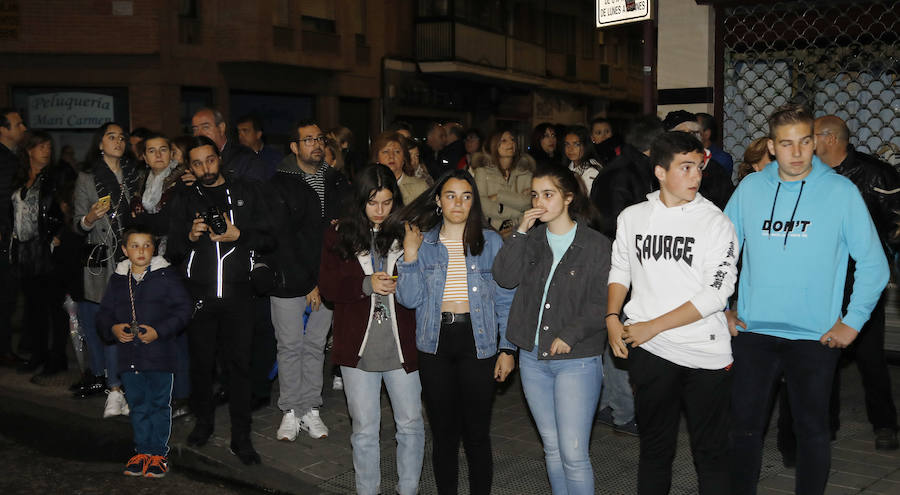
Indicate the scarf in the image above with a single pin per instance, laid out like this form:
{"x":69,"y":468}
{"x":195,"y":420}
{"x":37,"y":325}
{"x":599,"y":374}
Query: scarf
{"x":154,"y":187}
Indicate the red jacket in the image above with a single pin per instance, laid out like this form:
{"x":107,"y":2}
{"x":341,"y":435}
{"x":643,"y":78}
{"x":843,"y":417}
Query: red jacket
{"x":340,"y":282}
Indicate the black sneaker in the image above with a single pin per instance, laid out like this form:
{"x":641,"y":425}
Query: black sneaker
{"x":200,"y":435}
{"x":886,"y":439}
{"x":605,"y":417}
{"x":630,"y":428}
{"x":244,"y":451}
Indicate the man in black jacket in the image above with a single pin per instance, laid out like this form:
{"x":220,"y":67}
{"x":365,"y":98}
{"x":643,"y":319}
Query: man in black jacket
{"x":879,"y":184}
{"x":12,"y":133}
{"x":237,"y":159}
{"x":624,"y":182}
{"x":309,"y":196}
{"x":218,"y":277}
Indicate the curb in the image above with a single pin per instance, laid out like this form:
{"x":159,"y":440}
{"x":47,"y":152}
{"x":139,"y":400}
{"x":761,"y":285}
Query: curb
{"x":60,"y":428}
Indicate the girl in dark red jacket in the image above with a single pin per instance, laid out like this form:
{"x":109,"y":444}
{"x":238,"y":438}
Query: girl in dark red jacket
{"x":374,"y":337}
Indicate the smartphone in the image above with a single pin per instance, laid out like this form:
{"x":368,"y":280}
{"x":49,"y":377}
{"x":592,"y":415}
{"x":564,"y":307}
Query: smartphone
{"x":105,"y":201}
{"x":394,"y":277}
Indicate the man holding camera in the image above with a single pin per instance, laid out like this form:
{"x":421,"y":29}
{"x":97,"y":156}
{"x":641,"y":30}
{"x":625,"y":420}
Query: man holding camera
{"x":215,"y":224}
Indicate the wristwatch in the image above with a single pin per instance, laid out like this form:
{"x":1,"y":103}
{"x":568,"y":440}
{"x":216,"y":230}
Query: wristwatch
{"x":508,"y":352}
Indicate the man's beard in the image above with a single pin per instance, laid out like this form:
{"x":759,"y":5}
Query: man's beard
{"x":209,"y":179}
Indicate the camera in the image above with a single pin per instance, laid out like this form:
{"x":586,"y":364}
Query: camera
{"x":214,"y":218}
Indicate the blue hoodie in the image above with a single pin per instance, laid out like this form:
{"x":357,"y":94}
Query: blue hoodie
{"x":793,"y":287}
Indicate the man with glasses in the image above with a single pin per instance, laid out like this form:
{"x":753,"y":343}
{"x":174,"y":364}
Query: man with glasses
{"x":309,"y":196}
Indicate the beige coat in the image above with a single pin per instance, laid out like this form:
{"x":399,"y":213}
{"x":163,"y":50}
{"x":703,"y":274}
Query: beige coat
{"x":411,"y":188}
{"x":514,"y":194}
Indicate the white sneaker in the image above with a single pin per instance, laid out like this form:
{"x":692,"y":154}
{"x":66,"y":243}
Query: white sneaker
{"x":337,"y":383}
{"x":312,"y":424}
{"x":115,"y":402}
{"x":289,"y":428}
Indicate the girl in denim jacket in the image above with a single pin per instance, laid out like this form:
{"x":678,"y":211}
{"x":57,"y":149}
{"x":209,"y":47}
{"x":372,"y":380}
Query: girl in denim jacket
{"x":461,"y":317}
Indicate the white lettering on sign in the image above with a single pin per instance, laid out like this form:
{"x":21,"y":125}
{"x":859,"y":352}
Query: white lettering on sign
{"x":69,"y":110}
{"x":612,"y":12}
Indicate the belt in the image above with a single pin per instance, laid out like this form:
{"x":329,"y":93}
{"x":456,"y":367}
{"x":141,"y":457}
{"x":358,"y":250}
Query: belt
{"x":448,"y":318}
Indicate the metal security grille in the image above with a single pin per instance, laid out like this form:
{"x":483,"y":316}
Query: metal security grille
{"x":837,"y":57}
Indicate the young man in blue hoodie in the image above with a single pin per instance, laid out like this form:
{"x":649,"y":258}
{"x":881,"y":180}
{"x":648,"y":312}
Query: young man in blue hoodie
{"x":797,"y":221}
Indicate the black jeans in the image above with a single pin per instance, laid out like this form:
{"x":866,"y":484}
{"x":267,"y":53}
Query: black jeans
{"x":263,"y":348}
{"x":662,"y":390}
{"x":808,"y":370}
{"x":458,"y":389}
{"x":226,"y":324}
{"x":45,"y":319}
{"x":868,"y":352}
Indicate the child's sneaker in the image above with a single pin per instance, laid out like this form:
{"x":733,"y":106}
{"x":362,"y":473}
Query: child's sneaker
{"x":115,"y":404}
{"x":137,"y":465}
{"x":157,"y":468}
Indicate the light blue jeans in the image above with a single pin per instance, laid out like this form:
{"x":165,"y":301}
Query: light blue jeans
{"x":562,"y":395}
{"x":363,"y":392}
{"x":617,"y":393}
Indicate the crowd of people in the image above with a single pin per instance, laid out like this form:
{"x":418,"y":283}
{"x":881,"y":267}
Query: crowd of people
{"x":631,"y":278}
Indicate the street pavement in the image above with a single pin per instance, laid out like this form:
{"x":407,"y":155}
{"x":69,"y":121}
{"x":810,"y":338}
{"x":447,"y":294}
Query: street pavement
{"x":325,"y":466}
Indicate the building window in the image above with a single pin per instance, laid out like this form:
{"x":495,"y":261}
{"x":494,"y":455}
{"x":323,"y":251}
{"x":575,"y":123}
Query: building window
{"x":527,"y":22}
{"x":560,"y":33}
{"x":281,"y":13}
{"x":317,"y":24}
{"x":189,"y":27}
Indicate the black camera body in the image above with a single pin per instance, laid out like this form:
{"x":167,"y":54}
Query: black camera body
{"x":215,"y":219}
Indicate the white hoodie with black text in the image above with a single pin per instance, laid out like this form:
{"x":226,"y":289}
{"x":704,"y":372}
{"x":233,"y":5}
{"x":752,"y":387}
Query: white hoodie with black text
{"x":669,"y":256}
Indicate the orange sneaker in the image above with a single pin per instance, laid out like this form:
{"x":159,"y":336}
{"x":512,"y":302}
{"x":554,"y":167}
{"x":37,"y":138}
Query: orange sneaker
{"x":137,"y":465}
{"x":157,"y":467}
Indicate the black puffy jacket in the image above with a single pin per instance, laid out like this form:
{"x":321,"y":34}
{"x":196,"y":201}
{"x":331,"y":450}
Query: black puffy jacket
{"x":625,"y":182}
{"x":879,"y":184}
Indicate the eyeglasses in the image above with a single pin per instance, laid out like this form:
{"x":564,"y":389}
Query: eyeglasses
{"x":309,"y":140}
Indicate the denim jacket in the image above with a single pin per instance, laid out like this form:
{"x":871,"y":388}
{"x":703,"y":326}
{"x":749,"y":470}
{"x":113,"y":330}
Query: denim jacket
{"x":421,"y":286}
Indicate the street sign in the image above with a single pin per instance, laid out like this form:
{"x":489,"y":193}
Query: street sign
{"x":612,"y":12}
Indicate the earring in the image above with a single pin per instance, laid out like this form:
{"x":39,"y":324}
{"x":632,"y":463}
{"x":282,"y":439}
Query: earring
{"x":438,"y":210}
{"x":102,"y":153}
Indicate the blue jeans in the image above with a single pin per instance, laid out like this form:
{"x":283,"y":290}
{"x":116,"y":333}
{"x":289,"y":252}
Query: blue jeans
{"x":562,"y":396}
{"x":103,"y":356}
{"x":363,"y":392}
{"x":808,"y":369}
{"x":617,"y":394}
{"x":148,"y":394}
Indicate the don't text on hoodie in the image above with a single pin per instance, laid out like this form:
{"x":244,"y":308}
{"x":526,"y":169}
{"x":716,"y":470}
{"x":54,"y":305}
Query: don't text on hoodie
{"x":796,"y":239}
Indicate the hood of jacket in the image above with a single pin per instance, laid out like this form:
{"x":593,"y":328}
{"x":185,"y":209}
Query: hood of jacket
{"x":156,"y":263}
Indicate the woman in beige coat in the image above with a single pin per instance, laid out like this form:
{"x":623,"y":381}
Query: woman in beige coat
{"x":390,"y":149}
{"x":503,"y":176}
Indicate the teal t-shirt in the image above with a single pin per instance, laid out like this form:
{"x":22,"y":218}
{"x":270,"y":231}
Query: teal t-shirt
{"x":558,"y":244}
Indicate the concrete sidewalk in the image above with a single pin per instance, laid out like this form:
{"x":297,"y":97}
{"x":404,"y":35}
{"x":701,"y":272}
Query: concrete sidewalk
{"x":325,"y":466}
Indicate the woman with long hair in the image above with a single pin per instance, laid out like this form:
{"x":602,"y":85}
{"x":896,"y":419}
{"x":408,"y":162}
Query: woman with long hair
{"x":415,"y":160}
{"x":503,"y":176}
{"x":103,"y":194}
{"x":544,"y":145}
{"x":461,"y":318}
{"x":38,"y":225}
{"x":374,"y":338}
{"x":580,"y":154}
{"x":559,"y":270}
{"x":389,"y":149}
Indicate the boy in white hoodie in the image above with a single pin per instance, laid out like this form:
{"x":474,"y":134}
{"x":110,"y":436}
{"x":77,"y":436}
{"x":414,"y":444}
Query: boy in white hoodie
{"x":677,"y":252}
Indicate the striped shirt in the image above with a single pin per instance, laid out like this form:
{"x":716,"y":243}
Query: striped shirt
{"x":317,"y":182}
{"x":456,"y":288}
